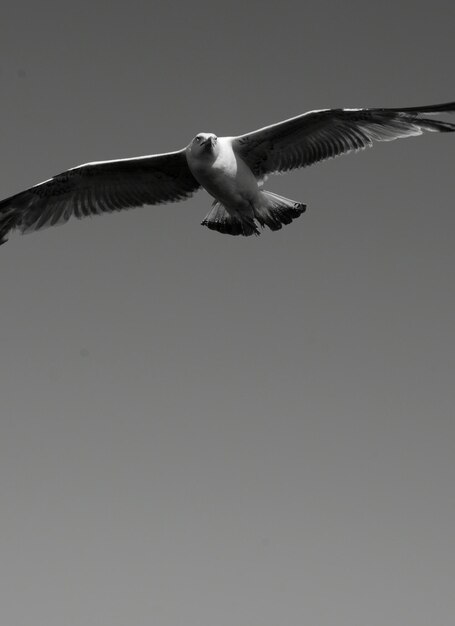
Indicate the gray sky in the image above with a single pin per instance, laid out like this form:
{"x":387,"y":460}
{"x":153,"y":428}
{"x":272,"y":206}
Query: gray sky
{"x":200,"y":430}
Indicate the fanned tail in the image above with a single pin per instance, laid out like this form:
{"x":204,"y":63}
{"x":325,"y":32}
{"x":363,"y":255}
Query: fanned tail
{"x":272,"y":211}
{"x":228,"y":223}
{"x":276,"y":210}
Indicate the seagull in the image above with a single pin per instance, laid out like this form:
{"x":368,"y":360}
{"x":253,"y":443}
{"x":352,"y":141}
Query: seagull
{"x":231,"y":169}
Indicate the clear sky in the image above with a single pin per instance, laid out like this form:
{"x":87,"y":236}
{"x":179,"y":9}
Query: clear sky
{"x":201,"y":430}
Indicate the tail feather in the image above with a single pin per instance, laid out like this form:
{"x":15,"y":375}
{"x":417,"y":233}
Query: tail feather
{"x":223,"y":221}
{"x":273,"y":211}
{"x":276,"y":210}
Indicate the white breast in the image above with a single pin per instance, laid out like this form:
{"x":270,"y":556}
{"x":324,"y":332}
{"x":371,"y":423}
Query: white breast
{"x":224,"y":175}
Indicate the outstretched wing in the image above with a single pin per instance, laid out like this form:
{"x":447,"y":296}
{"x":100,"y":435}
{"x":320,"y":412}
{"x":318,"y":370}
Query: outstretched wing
{"x":99,"y":187}
{"x":319,"y":135}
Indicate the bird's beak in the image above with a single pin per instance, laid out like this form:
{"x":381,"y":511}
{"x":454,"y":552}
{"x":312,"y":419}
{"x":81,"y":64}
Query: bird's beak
{"x":208,"y":141}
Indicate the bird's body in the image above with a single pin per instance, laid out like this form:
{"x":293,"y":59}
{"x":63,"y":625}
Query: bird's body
{"x":223,"y":173}
{"x":225,"y":176}
{"x":231,"y":169}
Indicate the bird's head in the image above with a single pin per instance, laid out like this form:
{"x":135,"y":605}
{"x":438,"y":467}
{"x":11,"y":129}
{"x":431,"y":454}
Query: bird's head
{"x":204,"y":144}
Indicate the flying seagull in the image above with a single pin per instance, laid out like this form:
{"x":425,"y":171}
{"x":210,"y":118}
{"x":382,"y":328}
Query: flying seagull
{"x":231,"y":169}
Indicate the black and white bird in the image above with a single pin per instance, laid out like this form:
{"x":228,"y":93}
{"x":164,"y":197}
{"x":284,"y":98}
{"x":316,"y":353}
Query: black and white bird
{"x":231,"y":169}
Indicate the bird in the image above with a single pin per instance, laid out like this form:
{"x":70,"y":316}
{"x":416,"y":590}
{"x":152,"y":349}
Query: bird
{"x":231,"y":169}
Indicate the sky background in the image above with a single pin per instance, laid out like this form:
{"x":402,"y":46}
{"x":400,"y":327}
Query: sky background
{"x":201,"y":430}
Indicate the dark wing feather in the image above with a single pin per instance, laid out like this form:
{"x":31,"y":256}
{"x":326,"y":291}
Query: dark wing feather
{"x":319,"y":135}
{"x":100,"y":187}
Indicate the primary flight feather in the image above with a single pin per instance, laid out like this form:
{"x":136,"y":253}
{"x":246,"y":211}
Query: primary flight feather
{"x":231,"y":169}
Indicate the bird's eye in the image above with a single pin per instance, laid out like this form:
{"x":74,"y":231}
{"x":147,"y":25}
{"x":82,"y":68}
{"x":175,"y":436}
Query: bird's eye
{"x":198,"y":139}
